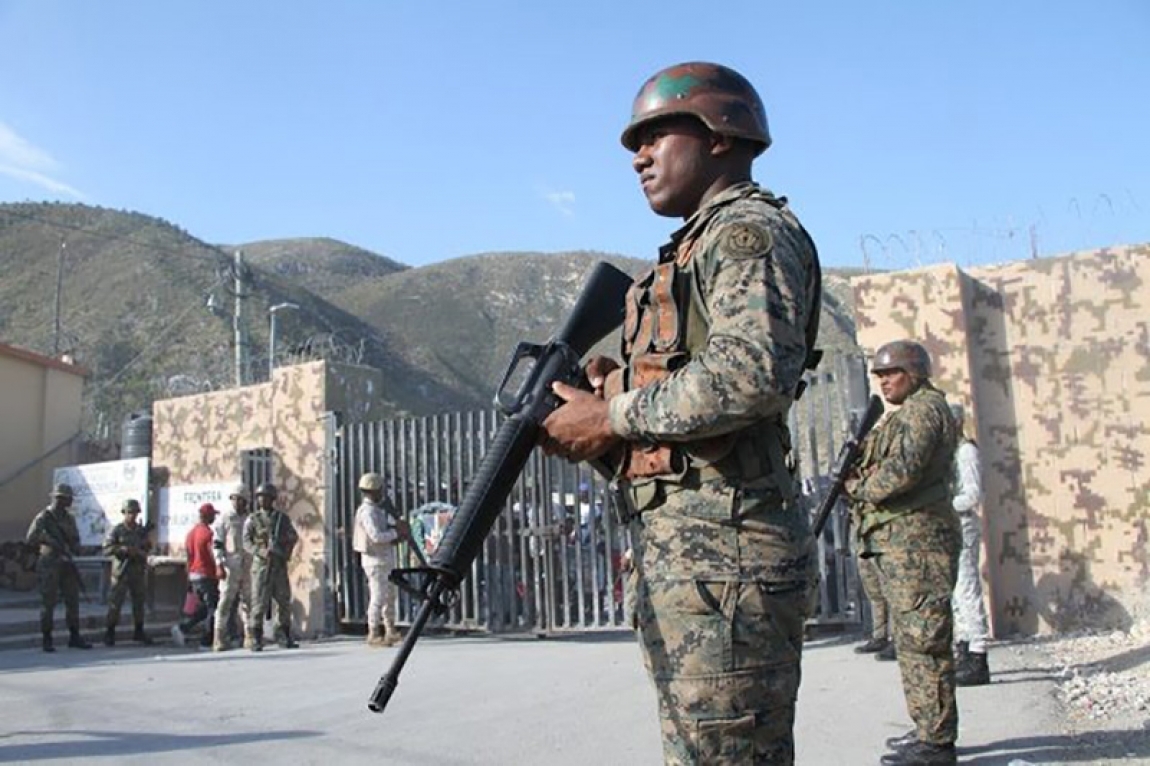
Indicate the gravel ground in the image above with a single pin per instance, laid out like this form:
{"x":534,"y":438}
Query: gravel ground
{"x":1102,"y":687}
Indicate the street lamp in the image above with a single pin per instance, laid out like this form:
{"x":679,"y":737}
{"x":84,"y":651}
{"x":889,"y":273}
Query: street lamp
{"x":272,"y":311}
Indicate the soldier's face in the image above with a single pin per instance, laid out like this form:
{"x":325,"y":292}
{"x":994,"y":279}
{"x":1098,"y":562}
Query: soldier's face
{"x":675,"y":164}
{"x":896,"y":385}
{"x":240,"y":504}
{"x":131,"y":517}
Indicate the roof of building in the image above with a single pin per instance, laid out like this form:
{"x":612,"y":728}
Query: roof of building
{"x":44,"y":361}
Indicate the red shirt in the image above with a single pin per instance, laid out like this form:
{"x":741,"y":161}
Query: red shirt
{"x":198,"y":544}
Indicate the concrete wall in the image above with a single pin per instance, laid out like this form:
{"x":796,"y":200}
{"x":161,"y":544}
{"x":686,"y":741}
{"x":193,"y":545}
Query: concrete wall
{"x":1052,"y":357}
{"x":40,"y":407}
{"x":198,"y":439}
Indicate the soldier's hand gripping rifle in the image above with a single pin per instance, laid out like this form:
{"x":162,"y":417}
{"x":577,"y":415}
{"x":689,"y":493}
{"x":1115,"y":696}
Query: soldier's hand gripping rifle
{"x":598,"y":311}
{"x":848,"y":456}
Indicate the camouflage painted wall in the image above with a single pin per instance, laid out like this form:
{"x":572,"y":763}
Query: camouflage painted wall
{"x":1052,"y":356}
{"x":198,"y":439}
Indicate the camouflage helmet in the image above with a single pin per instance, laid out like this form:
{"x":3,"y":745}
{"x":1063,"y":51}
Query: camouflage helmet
{"x":903,"y":355}
{"x":268,"y":490}
{"x":371,"y":482}
{"x":238,"y":490}
{"x":719,"y":96}
{"x":130,"y":506}
{"x":62,"y":490}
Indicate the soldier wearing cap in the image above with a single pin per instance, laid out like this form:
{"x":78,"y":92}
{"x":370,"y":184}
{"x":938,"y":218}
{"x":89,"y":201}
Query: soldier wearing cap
{"x":127,"y":544}
{"x":235,"y":569}
{"x":715,"y":341}
{"x":53,"y":533}
{"x":901,"y":494}
{"x":377,"y":531}
{"x":270,"y":538}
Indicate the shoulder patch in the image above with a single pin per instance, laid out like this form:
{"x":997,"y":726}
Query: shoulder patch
{"x":746,"y":240}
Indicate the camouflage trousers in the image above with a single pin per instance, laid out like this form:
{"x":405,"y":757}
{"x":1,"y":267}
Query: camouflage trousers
{"x":918,"y":586}
{"x":380,"y":609}
{"x":130,"y":580}
{"x":872,"y":587}
{"x":970,"y":622}
{"x":56,"y":579}
{"x":236,"y":587}
{"x":270,"y":585}
{"x":719,"y":609}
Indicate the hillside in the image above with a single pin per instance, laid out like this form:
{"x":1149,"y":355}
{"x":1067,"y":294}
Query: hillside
{"x":135,"y":288}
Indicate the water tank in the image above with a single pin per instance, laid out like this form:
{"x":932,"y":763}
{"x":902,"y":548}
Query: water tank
{"x":136,"y":439}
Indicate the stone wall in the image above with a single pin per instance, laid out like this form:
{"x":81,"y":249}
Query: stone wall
{"x":1051,"y":357}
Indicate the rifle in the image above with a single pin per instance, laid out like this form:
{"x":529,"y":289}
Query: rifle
{"x":598,"y":311}
{"x":848,"y":455}
{"x":65,"y":554}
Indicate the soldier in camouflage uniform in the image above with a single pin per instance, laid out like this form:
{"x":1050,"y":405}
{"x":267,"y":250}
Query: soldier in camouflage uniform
{"x":715,"y":341}
{"x":127,"y":544}
{"x":270,"y":538}
{"x":901,"y":493}
{"x":53,"y":533}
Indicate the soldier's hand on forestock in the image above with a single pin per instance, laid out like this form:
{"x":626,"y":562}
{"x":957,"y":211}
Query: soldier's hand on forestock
{"x":579,"y":429}
{"x":597,"y":369}
{"x":403,"y":528}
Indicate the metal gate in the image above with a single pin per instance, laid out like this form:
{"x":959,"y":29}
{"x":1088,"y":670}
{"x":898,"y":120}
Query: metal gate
{"x":552,"y":562}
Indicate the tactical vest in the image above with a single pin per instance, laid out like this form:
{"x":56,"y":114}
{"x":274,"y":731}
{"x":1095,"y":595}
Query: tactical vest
{"x":932,"y":490}
{"x":666,"y":323}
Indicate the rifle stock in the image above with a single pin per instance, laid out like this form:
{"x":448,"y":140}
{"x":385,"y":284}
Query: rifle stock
{"x":848,"y":456}
{"x":598,"y":311}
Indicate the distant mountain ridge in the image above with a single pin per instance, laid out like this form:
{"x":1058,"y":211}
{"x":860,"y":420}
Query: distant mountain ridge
{"x":135,"y":287}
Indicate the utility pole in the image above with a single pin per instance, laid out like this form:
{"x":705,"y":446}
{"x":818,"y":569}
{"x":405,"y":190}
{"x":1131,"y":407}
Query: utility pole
{"x":59,"y":290}
{"x":239,"y":322}
{"x":272,"y":334}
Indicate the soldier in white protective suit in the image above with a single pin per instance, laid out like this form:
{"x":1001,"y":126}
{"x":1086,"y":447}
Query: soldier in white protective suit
{"x":971,"y":628}
{"x":235,"y":567}
{"x":377,"y":531}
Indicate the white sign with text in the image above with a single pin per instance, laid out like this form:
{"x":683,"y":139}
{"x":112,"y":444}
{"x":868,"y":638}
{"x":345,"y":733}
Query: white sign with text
{"x":180,"y":509}
{"x":99,"y":490}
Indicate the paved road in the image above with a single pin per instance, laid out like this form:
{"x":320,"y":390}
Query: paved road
{"x":460,"y":701}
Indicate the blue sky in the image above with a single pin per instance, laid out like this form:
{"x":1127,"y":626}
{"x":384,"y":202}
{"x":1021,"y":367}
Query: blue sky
{"x":905,"y":132}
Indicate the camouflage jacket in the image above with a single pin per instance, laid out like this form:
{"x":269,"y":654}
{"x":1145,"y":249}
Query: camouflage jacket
{"x":128,"y":546}
{"x":55,"y":534}
{"x":753,"y":272}
{"x":269,"y":534}
{"x":906,"y":461}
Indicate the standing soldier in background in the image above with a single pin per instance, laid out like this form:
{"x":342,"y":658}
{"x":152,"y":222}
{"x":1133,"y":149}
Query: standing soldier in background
{"x":375,"y":538}
{"x":235,"y":569}
{"x":972,"y":629}
{"x":57,"y":539}
{"x":270,"y":538}
{"x":127,"y":544}
{"x":879,"y":642}
{"x":909,"y":530}
{"x":715,"y":341}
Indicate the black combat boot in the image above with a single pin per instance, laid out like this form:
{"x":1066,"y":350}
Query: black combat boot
{"x":110,"y":635}
{"x":872,"y":646}
{"x":289,"y":642}
{"x":973,"y":672}
{"x":887,"y":654}
{"x":46,"y":643}
{"x":140,"y":637}
{"x":921,"y":754}
{"x":898,"y":743}
{"x":76,"y":641}
{"x":257,"y":642}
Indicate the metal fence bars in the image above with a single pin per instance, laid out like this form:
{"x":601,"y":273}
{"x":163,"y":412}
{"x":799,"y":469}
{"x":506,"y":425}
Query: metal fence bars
{"x":553,"y":561}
